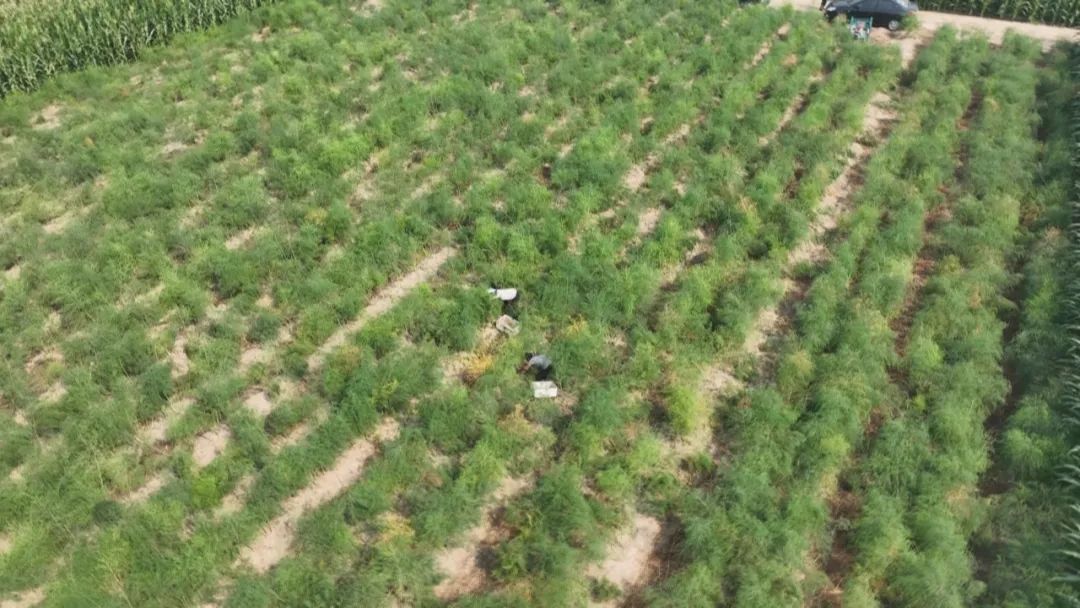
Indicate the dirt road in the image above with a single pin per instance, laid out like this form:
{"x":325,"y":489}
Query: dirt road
{"x":994,"y":29}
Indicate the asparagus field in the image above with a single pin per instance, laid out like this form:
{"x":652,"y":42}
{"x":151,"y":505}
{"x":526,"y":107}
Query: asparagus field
{"x":807,"y":300}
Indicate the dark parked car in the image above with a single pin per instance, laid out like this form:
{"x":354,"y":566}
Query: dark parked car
{"x":886,"y":13}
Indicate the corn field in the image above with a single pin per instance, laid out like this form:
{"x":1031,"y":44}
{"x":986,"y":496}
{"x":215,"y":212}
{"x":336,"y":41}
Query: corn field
{"x":1071,"y":476}
{"x":1063,"y":12}
{"x":38,"y":41}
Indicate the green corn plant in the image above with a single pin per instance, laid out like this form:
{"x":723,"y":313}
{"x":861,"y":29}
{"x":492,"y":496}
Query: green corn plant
{"x":1062,"y":12}
{"x":38,"y":39}
{"x":1070,"y":475}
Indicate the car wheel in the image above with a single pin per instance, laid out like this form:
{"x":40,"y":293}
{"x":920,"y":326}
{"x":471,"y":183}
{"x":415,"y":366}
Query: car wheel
{"x":894,"y":24}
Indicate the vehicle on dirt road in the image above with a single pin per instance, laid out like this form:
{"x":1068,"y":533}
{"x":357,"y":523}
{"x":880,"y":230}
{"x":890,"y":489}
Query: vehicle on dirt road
{"x":885,"y":13}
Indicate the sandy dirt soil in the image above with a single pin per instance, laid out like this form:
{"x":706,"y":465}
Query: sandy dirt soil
{"x":24,"y":599}
{"x":48,"y":119}
{"x":178,"y":357}
{"x":274,"y":542}
{"x":648,"y":221}
{"x":259,"y":403}
{"x":147,"y":490}
{"x":239,"y":239}
{"x":627,"y":557}
{"x":233,"y":502}
{"x":210,"y":445}
{"x":381,"y":302}
{"x":459,"y":564}
{"x":157,"y":429}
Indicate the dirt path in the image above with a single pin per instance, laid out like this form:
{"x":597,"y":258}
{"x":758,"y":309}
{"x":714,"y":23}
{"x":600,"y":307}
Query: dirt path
{"x":460,"y":564}
{"x":994,"y":29}
{"x":157,"y":429}
{"x":382,"y":301}
{"x":25,"y":599}
{"x":844,"y":505}
{"x":276,"y":539}
{"x":766,"y":46}
{"x":209,"y":445}
{"x":145,"y":491}
{"x":835,"y":202}
{"x":626,"y":560}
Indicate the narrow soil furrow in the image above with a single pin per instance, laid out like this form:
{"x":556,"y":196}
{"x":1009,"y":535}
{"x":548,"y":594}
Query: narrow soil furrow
{"x":210,"y":445}
{"x":835,"y":202}
{"x":145,"y":491}
{"x":382,"y":302}
{"x":845,"y":508}
{"x":921,"y":270}
{"x":627,"y":560}
{"x":767,"y":45}
{"x":25,"y":599}
{"x":995,"y":480}
{"x":845,"y":505}
{"x":924,"y":262}
{"x":273,"y":544}
{"x":157,"y":429}
{"x":463,"y":565}
{"x":233,"y":502}
{"x":797,"y":106}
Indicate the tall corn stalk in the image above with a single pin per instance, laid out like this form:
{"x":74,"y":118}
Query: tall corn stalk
{"x":1071,"y":468}
{"x":39,"y":39}
{"x":1059,"y":12}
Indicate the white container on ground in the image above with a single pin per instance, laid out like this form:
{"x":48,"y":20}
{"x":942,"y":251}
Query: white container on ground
{"x":545,"y":389}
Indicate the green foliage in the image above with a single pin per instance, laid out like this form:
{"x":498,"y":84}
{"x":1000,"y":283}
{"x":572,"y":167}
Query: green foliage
{"x":1058,"y":12}
{"x":356,"y":140}
{"x":42,"y":38}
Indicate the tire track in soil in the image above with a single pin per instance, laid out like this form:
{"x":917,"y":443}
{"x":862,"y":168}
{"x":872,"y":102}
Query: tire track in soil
{"x":925,"y":261}
{"x":637,"y":554}
{"x":464,"y":565}
{"x":210,"y":444}
{"x":781,"y":33}
{"x":383,"y":300}
{"x":718,"y":380}
{"x":273,"y":544}
{"x":25,"y":599}
{"x":453,"y":367}
{"x":628,"y":563}
{"x":774,"y":320}
{"x":467,"y":574}
{"x":836,"y":201}
{"x":995,"y":480}
{"x":844,"y":504}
